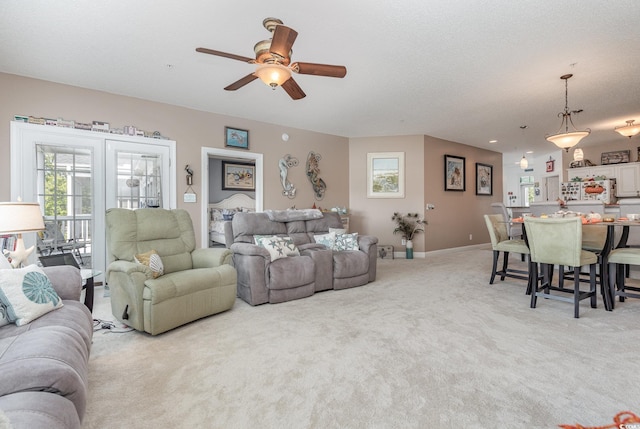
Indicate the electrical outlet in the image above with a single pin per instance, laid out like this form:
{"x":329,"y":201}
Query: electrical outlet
{"x":430,"y":206}
{"x":404,"y":241}
{"x":470,"y":237}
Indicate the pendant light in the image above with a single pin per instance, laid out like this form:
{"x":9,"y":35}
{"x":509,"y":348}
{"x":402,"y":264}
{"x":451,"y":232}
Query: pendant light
{"x":630,"y":129}
{"x":567,"y":139}
{"x":524,"y":164}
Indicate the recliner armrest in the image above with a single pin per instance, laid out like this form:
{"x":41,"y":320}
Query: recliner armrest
{"x":248,"y":249}
{"x":128,"y":268}
{"x":211,"y":257}
{"x":366,"y":241}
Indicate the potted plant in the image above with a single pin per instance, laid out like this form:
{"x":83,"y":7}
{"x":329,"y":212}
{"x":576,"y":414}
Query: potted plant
{"x":408,"y":225}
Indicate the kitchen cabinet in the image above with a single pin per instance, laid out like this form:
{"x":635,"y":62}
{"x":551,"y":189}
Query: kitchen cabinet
{"x":627,"y":176}
{"x":608,"y":171}
{"x":628,"y":180}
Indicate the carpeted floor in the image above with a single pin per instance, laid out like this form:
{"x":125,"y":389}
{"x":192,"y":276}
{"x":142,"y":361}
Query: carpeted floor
{"x":430,"y":344}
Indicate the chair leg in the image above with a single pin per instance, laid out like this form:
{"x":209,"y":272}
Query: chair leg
{"x":534,"y":284}
{"x":505,"y":264}
{"x":613,"y":279}
{"x":576,"y":292}
{"x":496,"y":256}
{"x":592,"y":289}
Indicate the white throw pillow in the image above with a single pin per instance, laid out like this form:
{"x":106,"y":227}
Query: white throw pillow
{"x":26,"y":294}
{"x":346,"y":242}
{"x":328,"y":240}
{"x":278,"y":247}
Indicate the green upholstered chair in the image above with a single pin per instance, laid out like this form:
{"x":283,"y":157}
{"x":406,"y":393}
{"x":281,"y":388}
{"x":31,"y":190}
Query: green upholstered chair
{"x":500,"y":242}
{"x":558,"y":241}
{"x":514,"y":230}
{"x":196,"y":282}
{"x":619,"y":259}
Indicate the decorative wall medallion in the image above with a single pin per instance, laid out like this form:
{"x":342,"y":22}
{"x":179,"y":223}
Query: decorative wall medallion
{"x":285,"y":163}
{"x":313,"y":173}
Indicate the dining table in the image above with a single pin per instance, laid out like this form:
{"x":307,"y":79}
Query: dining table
{"x":609,"y":244}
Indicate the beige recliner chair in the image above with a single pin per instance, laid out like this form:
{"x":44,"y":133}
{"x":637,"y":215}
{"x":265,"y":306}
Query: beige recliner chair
{"x":196,"y":282}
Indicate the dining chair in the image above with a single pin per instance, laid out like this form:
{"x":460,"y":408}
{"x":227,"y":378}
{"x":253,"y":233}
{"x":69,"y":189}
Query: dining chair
{"x":544,"y":207}
{"x":558,"y":241}
{"x":500,"y":242}
{"x":618,"y":260}
{"x":631,"y":206}
{"x":514,"y":231}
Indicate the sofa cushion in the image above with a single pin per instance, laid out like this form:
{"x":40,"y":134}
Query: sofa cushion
{"x":49,"y":359}
{"x":39,"y":410}
{"x":26,"y":294}
{"x":291,"y":272}
{"x":350,"y":264}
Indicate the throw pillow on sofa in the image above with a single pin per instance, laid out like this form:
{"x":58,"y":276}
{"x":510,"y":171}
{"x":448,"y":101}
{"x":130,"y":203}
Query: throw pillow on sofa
{"x":328,"y":240}
{"x":346,"y":242}
{"x":152,"y":260}
{"x":26,"y":294}
{"x":278,"y":247}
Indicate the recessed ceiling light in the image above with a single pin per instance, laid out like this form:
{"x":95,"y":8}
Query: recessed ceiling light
{"x":529,"y":151}
{"x":493,"y":141}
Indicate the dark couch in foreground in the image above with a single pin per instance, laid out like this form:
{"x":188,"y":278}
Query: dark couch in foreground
{"x":43,"y":364}
{"x":316,"y":268}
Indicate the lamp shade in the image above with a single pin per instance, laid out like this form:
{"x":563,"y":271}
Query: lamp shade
{"x":578,"y":155}
{"x":567,"y":140}
{"x":630,"y":129}
{"x":16,"y":218}
{"x":524,"y":164}
{"x":273,"y":74}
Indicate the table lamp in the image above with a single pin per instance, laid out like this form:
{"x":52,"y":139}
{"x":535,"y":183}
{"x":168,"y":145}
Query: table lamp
{"x":16,"y":218}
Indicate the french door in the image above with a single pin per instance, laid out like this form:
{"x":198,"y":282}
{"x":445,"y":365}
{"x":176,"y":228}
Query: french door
{"x":77,"y":175}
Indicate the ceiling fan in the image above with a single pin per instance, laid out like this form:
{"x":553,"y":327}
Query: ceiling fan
{"x":273,"y":59}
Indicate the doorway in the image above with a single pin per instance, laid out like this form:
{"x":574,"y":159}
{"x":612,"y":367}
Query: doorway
{"x":206,"y":154}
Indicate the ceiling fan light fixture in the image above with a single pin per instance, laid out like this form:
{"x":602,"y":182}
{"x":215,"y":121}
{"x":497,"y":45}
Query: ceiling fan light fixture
{"x":628,"y":130}
{"x":273,"y":75}
{"x":566,"y":140}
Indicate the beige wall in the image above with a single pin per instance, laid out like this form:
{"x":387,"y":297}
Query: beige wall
{"x":457,"y":214}
{"x":190,"y":128}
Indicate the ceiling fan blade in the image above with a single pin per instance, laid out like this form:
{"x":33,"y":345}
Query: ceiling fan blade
{"x":320,"y":69}
{"x":292,"y":88}
{"x":241,"y":82}
{"x":282,"y":40}
{"x":224,"y":54}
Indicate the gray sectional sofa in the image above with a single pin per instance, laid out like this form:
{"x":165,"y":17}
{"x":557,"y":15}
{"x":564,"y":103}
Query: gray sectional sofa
{"x":43,"y":364}
{"x":316,"y":268}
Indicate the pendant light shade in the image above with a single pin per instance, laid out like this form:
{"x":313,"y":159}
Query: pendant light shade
{"x":578,"y":155}
{"x":567,"y":139}
{"x":524,"y":164}
{"x":630,"y":129}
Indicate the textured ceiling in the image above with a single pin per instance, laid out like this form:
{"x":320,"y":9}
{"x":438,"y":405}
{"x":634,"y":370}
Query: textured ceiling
{"x":466,"y":71}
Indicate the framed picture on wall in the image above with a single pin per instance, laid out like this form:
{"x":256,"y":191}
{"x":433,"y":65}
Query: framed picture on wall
{"x":484,"y":179}
{"x":385,"y":175}
{"x":234,"y":137}
{"x":454,"y":173}
{"x":238,"y":176}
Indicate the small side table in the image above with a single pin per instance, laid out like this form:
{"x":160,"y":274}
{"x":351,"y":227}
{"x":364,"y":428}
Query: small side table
{"x":88,"y":286}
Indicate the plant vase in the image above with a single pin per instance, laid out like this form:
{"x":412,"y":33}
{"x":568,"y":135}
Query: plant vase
{"x":409,"y":249}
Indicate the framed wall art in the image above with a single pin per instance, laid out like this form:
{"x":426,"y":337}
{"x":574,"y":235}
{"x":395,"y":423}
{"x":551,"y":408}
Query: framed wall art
{"x":550,"y":165}
{"x":615,"y":157}
{"x":454,"y":173}
{"x":484,"y":179}
{"x":234,"y":137}
{"x":385,"y":175}
{"x":238,"y":176}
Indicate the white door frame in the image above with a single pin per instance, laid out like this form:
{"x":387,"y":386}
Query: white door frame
{"x":208,"y":152}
